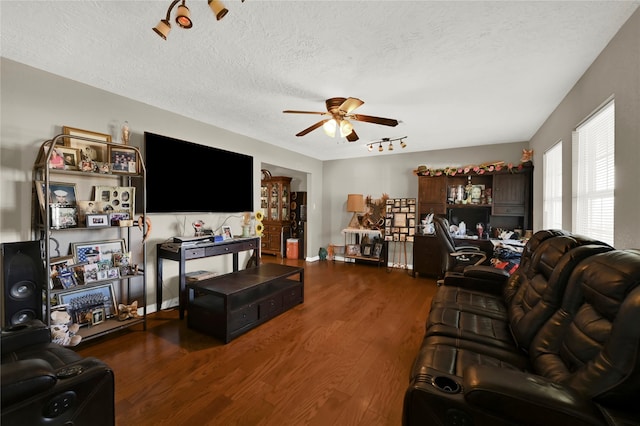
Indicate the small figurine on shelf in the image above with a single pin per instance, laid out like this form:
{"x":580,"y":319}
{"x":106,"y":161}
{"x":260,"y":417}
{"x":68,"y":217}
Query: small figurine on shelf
{"x":125,"y":133}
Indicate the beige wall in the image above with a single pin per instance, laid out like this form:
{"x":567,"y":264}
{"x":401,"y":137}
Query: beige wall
{"x":615,"y":73}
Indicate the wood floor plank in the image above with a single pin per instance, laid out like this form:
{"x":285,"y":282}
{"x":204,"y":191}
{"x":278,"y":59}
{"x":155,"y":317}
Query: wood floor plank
{"x":341,"y":358}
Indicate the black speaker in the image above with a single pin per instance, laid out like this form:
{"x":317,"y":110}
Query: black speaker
{"x":23,"y":279}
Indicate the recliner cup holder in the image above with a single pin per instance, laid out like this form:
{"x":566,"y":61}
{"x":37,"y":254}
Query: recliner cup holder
{"x":446,"y":384}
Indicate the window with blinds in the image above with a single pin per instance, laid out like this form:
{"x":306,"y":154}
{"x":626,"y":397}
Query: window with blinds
{"x":552,"y":184}
{"x":594,"y":175}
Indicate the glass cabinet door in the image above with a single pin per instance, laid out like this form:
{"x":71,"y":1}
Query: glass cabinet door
{"x":274,"y":201}
{"x":285,"y":203}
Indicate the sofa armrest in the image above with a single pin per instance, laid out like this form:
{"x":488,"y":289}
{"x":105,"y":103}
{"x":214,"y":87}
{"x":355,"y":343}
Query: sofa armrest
{"x":18,"y":336}
{"x":24,"y":378}
{"x":526,"y":398}
{"x":479,"y":278}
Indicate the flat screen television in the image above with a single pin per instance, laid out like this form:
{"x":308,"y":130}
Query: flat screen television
{"x":186,"y":177}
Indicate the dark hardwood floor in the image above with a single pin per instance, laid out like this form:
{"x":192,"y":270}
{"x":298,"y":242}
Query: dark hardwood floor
{"x":341,"y":358}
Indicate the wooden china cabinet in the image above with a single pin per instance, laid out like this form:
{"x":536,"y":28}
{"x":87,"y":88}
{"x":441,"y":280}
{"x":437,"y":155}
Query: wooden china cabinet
{"x":274,"y":202}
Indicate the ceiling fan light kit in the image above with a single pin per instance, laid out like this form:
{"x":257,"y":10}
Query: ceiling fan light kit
{"x":339,"y":109}
{"x":183,"y":16}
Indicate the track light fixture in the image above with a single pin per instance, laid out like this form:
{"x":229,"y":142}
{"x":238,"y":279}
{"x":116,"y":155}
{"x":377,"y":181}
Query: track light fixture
{"x":183,"y":16}
{"x":370,"y":145}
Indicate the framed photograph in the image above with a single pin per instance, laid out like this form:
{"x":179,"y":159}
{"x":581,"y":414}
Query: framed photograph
{"x":89,"y":151}
{"x":97,"y":316}
{"x":123,"y":160}
{"x":114,"y":199}
{"x":70,"y":157}
{"x":63,"y":216}
{"x":97,"y":220}
{"x":67,"y":278}
{"x":59,"y":193}
{"x":367,"y":250}
{"x":115,"y":218}
{"x":93,"y":252}
{"x":226,"y":233}
{"x":377,"y":249}
{"x":56,"y":161}
{"x":80,"y":303}
{"x":476,"y":193}
{"x":88,"y":166}
{"x":57,"y":264}
{"x":353,"y":249}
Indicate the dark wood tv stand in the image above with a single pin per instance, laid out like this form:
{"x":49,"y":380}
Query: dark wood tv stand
{"x":229,"y":305}
{"x":183,"y":252}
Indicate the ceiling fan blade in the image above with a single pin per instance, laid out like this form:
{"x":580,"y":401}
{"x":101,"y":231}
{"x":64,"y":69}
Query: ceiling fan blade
{"x":376,"y":120}
{"x":311,"y":128}
{"x":289,"y":111}
{"x":350,"y":104}
{"x":353,"y":136}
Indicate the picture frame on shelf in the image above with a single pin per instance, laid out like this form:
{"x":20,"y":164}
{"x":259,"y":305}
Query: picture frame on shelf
{"x":100,"y":220}
{"x":377,"y":249}
{"x":367,"y":250}
{"x":353,"y":249}
{"x":114,"y":199}
{"x":226,"y":233}
{"x":123,"y":160}
{"x":116,"y":217}
{"x":61,"y":193}
{"x":71,"y":157}
{"x":56,"y":160}
{"x":476,"y":193}
{"x":81,"y":302}
{"x":97,"y":316}
{"x":63,"y":216}
{"x":89,"y":151}
{"x":56,"y":264}
{"x":95,"y":251}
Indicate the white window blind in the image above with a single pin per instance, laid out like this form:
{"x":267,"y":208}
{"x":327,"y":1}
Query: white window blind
{"x":552,"y":184}
{"x":593,"y":175}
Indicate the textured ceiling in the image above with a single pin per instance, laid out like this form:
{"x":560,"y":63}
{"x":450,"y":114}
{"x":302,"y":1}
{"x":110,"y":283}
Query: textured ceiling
{"x":454,"y":73}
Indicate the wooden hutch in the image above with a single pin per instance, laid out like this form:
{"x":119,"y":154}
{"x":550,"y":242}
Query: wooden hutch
{"x":504,"y":201}
{"x":274,"y":202}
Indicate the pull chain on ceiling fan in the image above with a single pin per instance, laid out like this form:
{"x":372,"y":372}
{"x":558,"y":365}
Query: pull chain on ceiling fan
{"x":339,"y":109}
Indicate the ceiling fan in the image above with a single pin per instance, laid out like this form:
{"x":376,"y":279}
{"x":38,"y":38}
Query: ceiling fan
{"x":339,"y":113}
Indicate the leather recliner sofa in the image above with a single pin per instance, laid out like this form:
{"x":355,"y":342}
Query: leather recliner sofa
{"x":560,"y":344}
{"x":43,"y":383}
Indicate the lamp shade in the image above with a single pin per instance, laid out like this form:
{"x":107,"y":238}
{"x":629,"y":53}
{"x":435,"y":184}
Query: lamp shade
{"x":355,"y":203}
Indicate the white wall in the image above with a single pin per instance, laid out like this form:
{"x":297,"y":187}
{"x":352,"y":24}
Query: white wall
{"x":616,"y":72}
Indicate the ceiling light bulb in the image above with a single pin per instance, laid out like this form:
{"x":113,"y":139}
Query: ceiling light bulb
{"x":183,"y":16}
{"x":402,"y":143}
{"x":163,"y":28}
{"x":380,"y":148}
{"x":329,"y":128}
{"x":345,"y":128}
{"x":370,"y":147}
{"x":218,"y":9}
{"x":390,"y":146}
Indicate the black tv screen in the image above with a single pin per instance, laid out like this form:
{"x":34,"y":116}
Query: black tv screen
{"x":186,"y":177}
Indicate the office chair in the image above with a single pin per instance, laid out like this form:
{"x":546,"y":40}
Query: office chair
{"x":455,"y":258}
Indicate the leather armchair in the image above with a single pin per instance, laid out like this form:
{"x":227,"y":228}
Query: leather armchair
{"x":43,"y":383}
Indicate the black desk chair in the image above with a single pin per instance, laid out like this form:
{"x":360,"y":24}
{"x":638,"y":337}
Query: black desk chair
{"x":455,"y":258}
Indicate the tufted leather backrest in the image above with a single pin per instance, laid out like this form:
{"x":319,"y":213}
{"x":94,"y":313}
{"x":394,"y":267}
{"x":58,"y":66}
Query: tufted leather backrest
{"x":445,"y":242}
{"x":515,"y":280}
{"x":541,"y":293}
{"x":592,"y":343}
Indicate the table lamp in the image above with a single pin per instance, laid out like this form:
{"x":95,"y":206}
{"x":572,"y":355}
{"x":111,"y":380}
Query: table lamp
{"x":355,"y":204}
